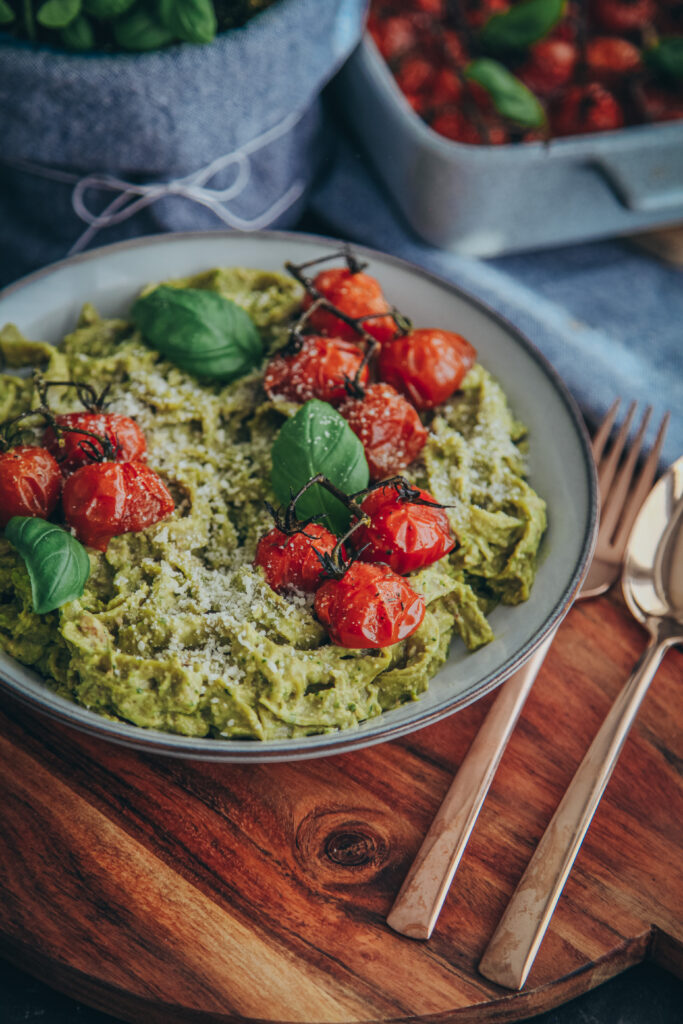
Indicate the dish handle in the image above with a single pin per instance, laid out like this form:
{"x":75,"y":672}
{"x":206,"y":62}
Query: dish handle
{"x":649,"y":180}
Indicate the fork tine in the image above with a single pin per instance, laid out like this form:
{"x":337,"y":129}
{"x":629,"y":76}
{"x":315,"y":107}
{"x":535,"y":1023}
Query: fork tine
{"x":614,"y":502}
{"x":607,"y":467}
{"x":641,"y":489}
{"x":604,"y":430}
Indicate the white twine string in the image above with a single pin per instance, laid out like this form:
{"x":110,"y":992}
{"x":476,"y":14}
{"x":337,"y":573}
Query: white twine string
{"x":130,"y":197}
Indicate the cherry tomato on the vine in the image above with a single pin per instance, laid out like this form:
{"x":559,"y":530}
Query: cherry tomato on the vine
{"x":355,"y":295}
{"x":77,"y":449}
{"x":104,"y":499}
{"x":317,"y":370}
{"x":659,"y":104}
{"x":609,"y":58}
{"x":405,"y":534}
{"x":370,"y":606}
{"x":394,"y":35}
{"x":549,"y":66}
{"x":586,"y":108}
{"x":427,"y":365}
{"x":30,"y":483}
{"x":624,"y":15}
{"x":478,"y":12}
{"x":388,"y":427}
{"x":290,"y":562}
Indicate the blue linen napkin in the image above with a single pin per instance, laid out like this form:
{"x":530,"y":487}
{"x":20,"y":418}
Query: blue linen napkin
{"x":608,"y":317}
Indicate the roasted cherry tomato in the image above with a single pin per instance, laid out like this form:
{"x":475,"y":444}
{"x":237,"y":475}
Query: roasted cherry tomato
{"x":104,"y":499}
{"x":427,"y":365}
{"x":478,"y":12}
{"x":446,"y":89}
{"x":30,"y":483}
{"x":405,"y":534}
{"x":609,"y":58}
{"x":388,"y":427}
{"x":355,"y":295}
{"x":549,"y":66}
{"x":659,"y":104}
{"x":290,"y":562}
{"x":393,"y":36}
{"x":370,"y":606}
{"x":414,"y":75}
{"x":317,"y":370}
{"x":77,"y":449}
{"x":586,"y":108}
{"x":624,"y":15}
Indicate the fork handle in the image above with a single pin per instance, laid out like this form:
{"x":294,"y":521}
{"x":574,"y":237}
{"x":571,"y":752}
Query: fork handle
{"x":417,"y":906}
{"x":511,"y":952}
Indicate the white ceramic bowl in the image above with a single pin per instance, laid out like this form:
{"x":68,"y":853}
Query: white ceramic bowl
{"x":45,"y":306}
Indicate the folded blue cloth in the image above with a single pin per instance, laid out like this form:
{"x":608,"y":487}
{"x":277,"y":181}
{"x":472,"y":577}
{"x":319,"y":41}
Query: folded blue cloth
{"x":608,"y":317}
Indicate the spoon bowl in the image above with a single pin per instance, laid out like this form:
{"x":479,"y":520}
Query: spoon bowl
{"x":652,"y":579}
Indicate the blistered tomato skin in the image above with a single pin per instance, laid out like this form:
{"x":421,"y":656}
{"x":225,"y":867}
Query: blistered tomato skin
{"x":105,"y":499}
{"x":549,"y":66}
{"x":586,"y":108}
{"x":369,"y":607}
{"x":609,"y":58}
{"x":355,"y":295}
{"x":427,"y":365}
{"x":289,"y":561}
{"x":123,"y":433}
{"x":388,"y":427}
{"x":406,"y":535}
{"x":30,"y":483}
{"x":317,"y":370}
{"x":624,"y":15}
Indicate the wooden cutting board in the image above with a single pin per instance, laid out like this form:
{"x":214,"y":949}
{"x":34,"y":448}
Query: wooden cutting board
{"x":166,"y":891}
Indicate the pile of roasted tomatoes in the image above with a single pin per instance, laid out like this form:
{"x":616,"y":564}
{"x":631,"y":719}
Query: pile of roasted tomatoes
{"x":351,"y":349}
{"x":594,"y":66}
{"x":93,"y":462}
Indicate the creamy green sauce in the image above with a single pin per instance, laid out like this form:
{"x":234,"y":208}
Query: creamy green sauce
{"x":176,"y":629}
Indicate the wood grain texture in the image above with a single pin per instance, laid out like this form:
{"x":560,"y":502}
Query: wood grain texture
{"x":185,"y":891}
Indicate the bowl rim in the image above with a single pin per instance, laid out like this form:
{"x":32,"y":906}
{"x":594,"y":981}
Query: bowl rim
{"x":152,"y":741}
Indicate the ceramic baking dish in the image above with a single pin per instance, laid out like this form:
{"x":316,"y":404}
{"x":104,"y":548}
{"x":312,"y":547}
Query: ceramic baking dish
{"x":489,"y":200}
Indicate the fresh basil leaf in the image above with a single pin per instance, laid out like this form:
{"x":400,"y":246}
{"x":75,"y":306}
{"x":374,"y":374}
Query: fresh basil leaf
{"x":521,"y":25}
{"x":57,"y":564}
{"x":58,"y":13}
{"x":140,"y":30}
{"x":78,"y":35}
{"x":510,"y":97}
{"x":106,"y":9}
{"x":193,"y":21}
{"x":6,"y":13}
{"x":200,"y":331}
{"x":666,"y":58}
{"x":318,"y":440}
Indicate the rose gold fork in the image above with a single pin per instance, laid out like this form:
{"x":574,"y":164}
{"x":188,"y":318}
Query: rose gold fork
{"x":419,"y":901}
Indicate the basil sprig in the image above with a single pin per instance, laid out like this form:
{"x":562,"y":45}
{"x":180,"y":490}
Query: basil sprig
{"x":136,"y":25}
{"x":200,"y":331}
{"x":78,"y":34}
{"x":318,"y":440}
{"x":521,"y":25}
{"x":58,"y":13}
{"x":193,"y":21}
{"x":58,"y":565}
{"x":510,"y":96}
{"x":666,"y":58}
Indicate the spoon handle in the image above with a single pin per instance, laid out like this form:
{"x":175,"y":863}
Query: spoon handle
{"x":511,"y":952}
{"x":417,"y":906}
